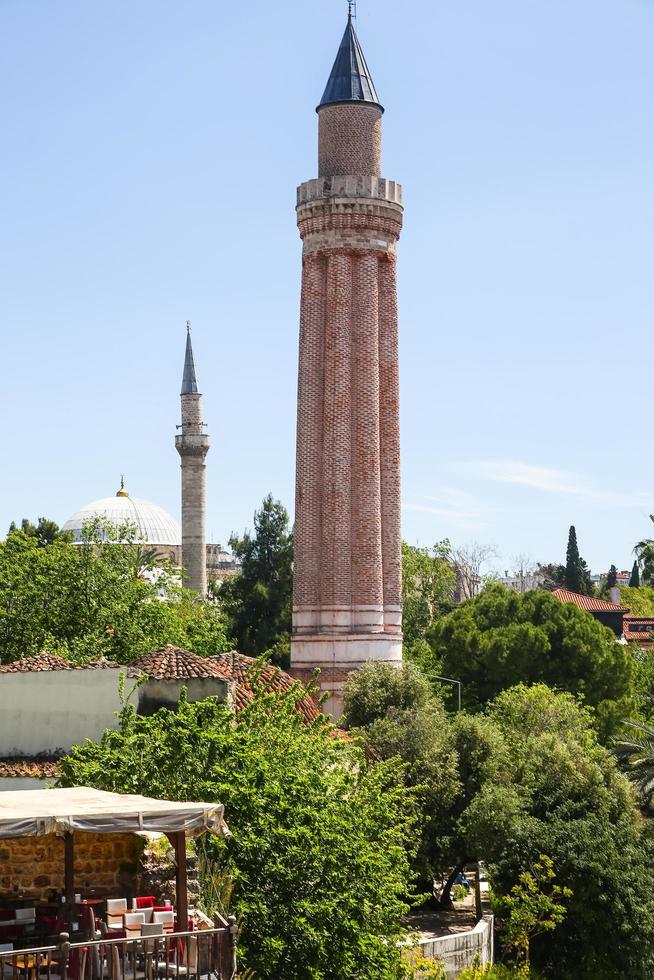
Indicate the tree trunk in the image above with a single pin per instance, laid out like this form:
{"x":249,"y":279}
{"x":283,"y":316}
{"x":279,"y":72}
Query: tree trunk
{"x":446,"y":897}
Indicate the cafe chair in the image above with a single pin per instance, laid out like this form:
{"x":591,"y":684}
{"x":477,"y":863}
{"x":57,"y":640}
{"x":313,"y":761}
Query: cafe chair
{"x":116,"y":909}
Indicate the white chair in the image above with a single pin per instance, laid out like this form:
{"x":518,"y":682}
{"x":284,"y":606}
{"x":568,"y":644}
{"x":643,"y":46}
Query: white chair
{"x":116,"y":909}
{"x":133,"y":923}
{"x":24,"y":916}
{"x":166,"y":918}
{"x":147,"y":912}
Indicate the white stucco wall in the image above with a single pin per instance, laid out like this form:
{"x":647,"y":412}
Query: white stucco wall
{"x":52,"y":710}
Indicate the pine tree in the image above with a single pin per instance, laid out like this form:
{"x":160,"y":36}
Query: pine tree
{"x":573,"y":570}
{"x":634,"y":581}
{"x":612,"y":577}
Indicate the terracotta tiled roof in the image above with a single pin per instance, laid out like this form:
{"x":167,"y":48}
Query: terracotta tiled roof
{"x":49,"y":661}
{"x":587,"y":602}
{"x":40,"y":661}
{"x":172,"y":662}
{"x":33,"y":768}
{"x":238,"y":668}
{"x":631,"y":631}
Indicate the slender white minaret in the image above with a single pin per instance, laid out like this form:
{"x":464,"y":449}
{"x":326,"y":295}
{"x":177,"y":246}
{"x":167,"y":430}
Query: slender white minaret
{"x":193,"y":445}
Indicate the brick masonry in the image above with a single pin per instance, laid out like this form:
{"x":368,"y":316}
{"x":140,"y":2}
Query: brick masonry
{"x":349,"y":139}
{"x":347,"y":572}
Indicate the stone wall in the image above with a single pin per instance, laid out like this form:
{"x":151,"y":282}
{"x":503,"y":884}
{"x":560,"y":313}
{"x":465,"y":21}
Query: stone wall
{"x":34,"y":866}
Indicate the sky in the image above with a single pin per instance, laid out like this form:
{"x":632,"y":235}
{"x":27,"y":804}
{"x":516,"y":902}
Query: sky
{"x":151,"y":152}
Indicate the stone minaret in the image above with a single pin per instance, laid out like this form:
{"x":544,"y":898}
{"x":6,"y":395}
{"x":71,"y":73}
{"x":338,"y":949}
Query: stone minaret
{"x":347,"y":571}
{"x":193,"y":445}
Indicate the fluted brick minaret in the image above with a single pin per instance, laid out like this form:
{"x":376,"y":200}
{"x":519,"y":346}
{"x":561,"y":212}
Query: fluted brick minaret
{"x":347,"y":569}
{"x":192,"y":444}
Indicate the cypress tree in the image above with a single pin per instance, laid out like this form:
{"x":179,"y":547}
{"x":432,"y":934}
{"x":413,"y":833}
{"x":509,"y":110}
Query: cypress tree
{"x":634,"y":581}
{"x":573,"y":572}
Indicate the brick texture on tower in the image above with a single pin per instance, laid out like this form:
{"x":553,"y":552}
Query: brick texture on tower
{"x":347,"y":563}
{"x":192,"y":444}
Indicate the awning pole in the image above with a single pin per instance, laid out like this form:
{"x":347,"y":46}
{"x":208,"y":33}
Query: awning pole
{"x":179,"y":843}
{"x":69,"y":875}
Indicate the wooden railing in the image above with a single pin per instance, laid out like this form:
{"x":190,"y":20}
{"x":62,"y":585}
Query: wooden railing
{"x":208,"y":954}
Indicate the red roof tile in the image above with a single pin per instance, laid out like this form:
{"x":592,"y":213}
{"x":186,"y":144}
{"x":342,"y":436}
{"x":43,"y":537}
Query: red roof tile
{"x":174,"y":663}
{"x":40,"y":661}
{"x":631,"y":633}
{"x":32,"y":768}
{"x":49,"y":661}
{"x":587,"y":602}
{"x":237,"y":667}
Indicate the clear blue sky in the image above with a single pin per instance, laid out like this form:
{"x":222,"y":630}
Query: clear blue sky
{"x":151,"y":152}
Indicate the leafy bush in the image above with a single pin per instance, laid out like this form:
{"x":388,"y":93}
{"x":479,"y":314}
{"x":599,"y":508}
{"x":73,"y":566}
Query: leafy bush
{"x":318,"y":861}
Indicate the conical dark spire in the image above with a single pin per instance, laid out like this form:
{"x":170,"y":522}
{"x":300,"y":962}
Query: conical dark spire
{"x":350,"y":79}
{"x":189,"y":377}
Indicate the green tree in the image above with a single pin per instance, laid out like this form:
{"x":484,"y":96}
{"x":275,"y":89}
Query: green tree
{"x":634,"y":580}
{"x":258,"y":601}
{"x":428,"y":583}
{"x":636,"y":757}
{"x":448,"y":761}
{"x":577,"y":808}
{"x":105,"y":596}
{"x":318,"y":859}
{"x":640,"y":601}
{"x":421,"y":737}
{"x":45,"y":532}
{"x":552,"y":576}
{"x":529,"y":777}
{"x":533,"y":906}
{"x":577,"y":573}
{"x":501,"y":638}
{"x":644,"y":552}
{"x":612,"y":577}
{"x":377,"y":687}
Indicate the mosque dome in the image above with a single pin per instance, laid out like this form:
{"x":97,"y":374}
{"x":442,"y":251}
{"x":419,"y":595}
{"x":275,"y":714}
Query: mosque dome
{"x":156,"y":525}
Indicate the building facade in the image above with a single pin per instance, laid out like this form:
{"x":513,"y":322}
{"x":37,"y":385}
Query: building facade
{"x":347,"y":561}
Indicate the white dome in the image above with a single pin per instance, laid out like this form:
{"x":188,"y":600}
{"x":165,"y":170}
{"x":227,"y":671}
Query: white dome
{"x":156,"y":525}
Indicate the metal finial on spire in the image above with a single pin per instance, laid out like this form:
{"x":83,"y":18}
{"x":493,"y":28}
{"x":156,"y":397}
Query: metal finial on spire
{"x":188,"y":326}
{"x":122,"y":492}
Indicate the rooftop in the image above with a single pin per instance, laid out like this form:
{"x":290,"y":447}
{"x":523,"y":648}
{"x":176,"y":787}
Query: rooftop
{"x":239,"y":668}
{"x":154,"y":524}
{"x":171,"y":662}
{"x":48,"y":661}
{"x":587,"y":602}
{"x":189,"y":376}
{"x":350,"y":79}
{"x":28,"y":767}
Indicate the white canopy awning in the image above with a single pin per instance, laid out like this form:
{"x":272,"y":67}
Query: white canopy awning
{"x":33,"y":813}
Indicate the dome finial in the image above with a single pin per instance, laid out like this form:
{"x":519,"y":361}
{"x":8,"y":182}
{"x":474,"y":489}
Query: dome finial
{"x":122,"y":492}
